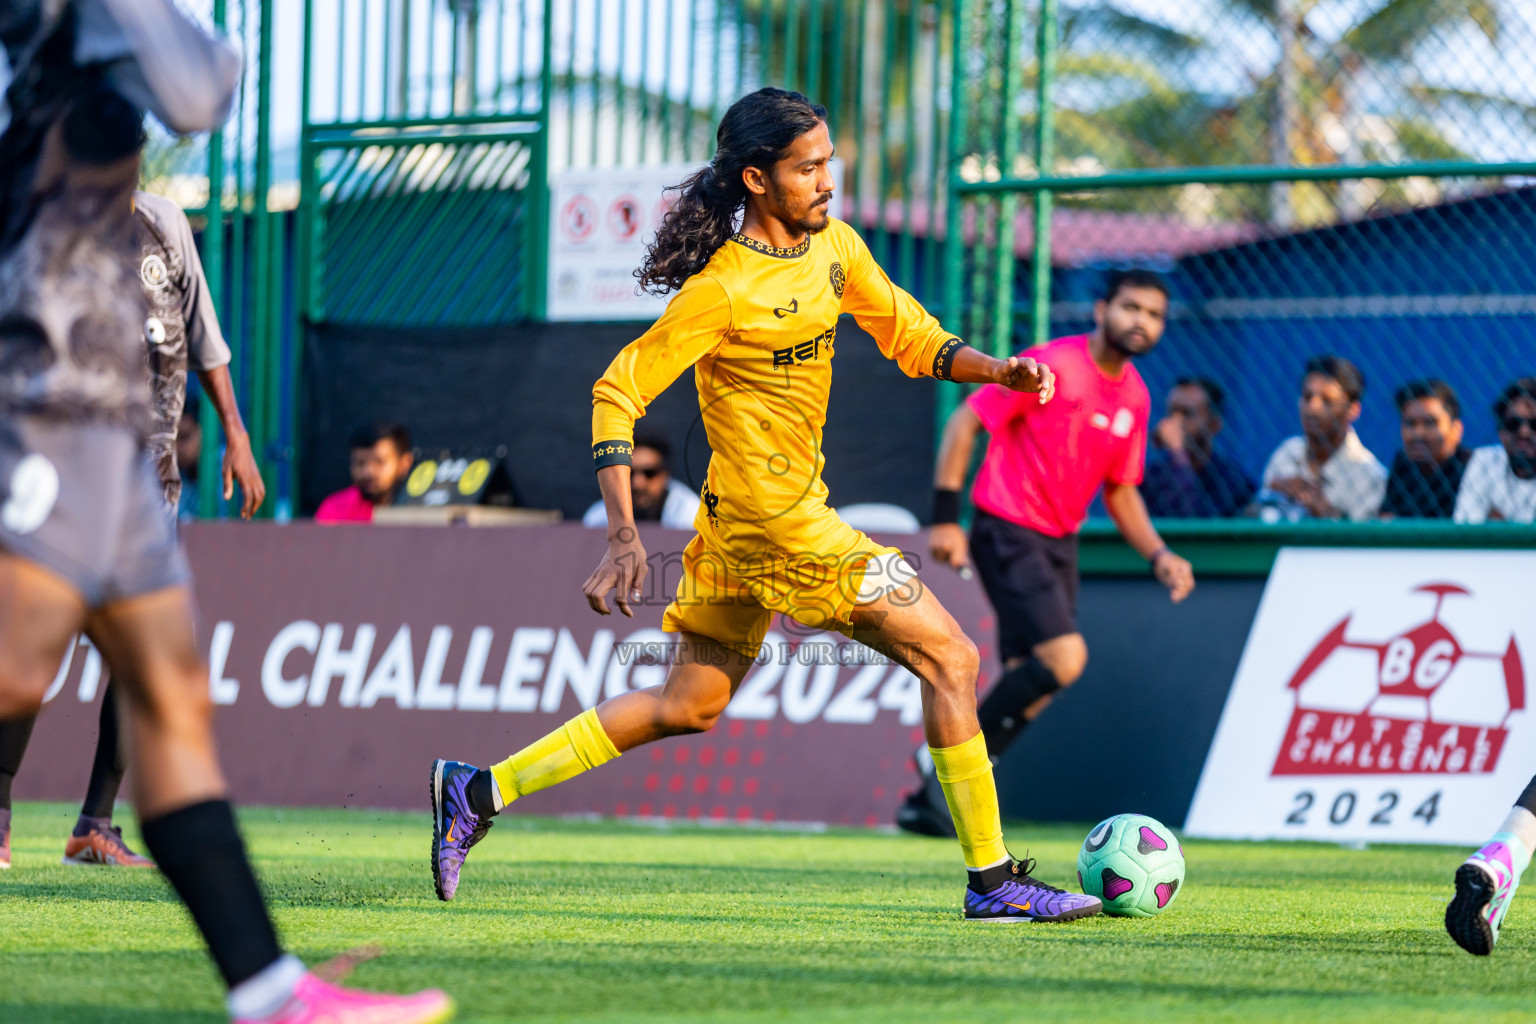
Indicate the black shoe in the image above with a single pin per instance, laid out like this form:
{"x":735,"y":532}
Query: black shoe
{"x":918,"y":815}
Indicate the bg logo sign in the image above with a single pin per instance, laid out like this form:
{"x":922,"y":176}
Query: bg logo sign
{"x":1413,"y":715}
{"x":1381,"y":697}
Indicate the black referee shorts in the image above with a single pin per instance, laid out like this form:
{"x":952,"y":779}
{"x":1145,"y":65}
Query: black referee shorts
{"x":1031,"y":580}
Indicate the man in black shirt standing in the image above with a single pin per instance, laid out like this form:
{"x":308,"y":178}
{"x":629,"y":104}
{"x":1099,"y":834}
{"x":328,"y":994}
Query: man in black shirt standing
{"x":1428,"y":470}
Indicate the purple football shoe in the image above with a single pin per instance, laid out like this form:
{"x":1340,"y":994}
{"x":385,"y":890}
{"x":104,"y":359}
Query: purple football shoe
{"x":455,"y":827}
{"x":1022,"y":898}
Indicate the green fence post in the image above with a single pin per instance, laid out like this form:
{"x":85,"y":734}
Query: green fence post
{"x":305,"y":254}
{"x":209,"y":495}
{"x":265,"y":398}
{"x":1045,"y":151}
{"x":907,"y":248}
{"x":1001,"y":342}
{"x":538,"y":185}
{"x":954,"y":244}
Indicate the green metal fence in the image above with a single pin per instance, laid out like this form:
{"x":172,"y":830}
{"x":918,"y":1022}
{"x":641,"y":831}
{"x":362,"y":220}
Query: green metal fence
{"x":638,"y":82}
{"x":1350,"y":177}
{"x":1341,"y":174}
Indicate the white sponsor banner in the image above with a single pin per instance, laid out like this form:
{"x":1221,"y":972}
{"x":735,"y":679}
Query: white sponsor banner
{"x":600,"y":221}
{"x":1382,"y":696}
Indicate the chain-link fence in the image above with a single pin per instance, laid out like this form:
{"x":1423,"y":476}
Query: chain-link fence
{"x":1313,"y":178}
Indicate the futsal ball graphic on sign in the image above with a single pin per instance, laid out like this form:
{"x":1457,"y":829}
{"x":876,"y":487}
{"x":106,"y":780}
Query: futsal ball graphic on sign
{"x":1367,"y":705}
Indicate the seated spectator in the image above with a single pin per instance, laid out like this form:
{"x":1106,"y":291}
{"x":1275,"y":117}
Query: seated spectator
{"x":657,"y":497}
{"x":1428,"y":470}
{"x":1185,"y":475}
{"x":381,"y":460}
{"x":1326,"y":471}
{"x":1500,"y":482}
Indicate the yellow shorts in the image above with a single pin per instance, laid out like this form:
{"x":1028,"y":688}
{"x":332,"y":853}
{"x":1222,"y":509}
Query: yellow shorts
{"x":732,"y":599}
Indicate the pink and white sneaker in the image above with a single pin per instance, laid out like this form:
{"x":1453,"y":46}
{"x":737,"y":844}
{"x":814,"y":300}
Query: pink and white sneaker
{"x":316,"y":1002}
{"x":1485,"y":887}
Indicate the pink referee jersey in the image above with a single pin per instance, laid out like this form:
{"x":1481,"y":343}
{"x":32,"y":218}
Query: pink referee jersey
{"x":1045,"y":462}
{"x":348,"y":506}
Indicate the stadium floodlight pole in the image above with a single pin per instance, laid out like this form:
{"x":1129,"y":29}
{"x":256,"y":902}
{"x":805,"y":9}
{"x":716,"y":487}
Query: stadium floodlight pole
{"x":210,"y":497}
{"x":1252,"y":174}
{"x":954,"y":243}
{"x":1045,"y":149}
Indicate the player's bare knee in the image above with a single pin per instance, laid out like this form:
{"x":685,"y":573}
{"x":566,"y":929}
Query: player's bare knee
{"x":179,"y":702}
{"x":20,"y":702}
{"x":1066,"y":657}
{"x":954,"y":666}
{"x":679,"y":719}
{"x":23,"y":684}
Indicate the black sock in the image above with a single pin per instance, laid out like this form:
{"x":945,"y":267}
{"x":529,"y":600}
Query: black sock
{"x":481,"y":800}
{"x":1002,"y":711}
{"x":199,"y":851}
{"x":1528,"y":798}
{"x":107,"y":770}
{"x":14,"y":734}
{"x":987,"y":879}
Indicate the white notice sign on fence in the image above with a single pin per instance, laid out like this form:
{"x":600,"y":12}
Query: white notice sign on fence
{"x":600,"y":220}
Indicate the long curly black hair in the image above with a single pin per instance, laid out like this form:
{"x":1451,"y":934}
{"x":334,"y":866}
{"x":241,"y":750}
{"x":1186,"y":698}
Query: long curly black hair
{"x":755,"y":132}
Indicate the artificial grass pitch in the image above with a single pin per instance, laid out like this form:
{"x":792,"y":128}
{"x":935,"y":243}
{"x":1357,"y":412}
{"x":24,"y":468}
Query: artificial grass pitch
{"x":571,"y":921}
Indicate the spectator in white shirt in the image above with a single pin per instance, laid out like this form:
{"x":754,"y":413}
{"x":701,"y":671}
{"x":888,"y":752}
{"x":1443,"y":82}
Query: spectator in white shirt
{"x":1326,"y":471}
{"x":656,"y":495}
{"x":1500,"y":482}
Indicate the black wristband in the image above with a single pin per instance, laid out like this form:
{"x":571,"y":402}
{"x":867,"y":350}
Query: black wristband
{"x":946,"y":506}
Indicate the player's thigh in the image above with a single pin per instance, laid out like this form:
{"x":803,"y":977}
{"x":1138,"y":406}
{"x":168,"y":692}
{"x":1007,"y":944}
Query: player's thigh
{"x":913,"y":628}
{"x":40,"y":613}
{"x":149,"y":644}
{"x":704,"y":676}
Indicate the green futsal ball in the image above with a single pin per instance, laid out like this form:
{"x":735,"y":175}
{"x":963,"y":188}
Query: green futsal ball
{"x":1133,"y":863}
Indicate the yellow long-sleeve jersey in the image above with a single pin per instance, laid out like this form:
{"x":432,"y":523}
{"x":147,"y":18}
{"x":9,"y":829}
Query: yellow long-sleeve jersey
{"x":759,"y":327}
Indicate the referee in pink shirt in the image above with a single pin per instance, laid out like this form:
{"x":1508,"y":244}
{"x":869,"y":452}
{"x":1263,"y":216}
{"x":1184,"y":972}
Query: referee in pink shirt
{"x":1043,"y":466}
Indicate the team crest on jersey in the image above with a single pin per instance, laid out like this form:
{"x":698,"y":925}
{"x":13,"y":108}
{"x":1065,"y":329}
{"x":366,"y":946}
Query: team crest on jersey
{"x":153,"y":273}
{"x":835,"y":275}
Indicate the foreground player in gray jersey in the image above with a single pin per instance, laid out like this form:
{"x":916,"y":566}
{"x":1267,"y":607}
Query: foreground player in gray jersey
{"x":84,"y":540}
{"x":181,"y":332}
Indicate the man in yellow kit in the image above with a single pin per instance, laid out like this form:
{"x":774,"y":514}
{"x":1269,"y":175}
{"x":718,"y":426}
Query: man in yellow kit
{"x":755,"y":316}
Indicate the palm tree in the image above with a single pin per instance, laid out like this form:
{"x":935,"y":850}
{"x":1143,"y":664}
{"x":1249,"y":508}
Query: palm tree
{"x":1364,"y":95}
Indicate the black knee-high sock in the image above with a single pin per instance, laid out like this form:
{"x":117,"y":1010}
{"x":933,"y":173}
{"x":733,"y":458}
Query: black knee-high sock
{"x":1002,"y":711}
{"x":481,"y":800}
{"x":1528,"y":798}
{"x":111,"y":761}
{"x":14,"y":734}
{"x":198,"y":849}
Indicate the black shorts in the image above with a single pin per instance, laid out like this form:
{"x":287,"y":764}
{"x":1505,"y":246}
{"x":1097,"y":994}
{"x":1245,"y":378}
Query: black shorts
{"x":1031,"y":580}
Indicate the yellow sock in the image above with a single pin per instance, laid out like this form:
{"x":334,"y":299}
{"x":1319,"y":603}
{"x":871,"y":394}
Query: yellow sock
{"x":565,"y":753}
{"x":966,"y":775}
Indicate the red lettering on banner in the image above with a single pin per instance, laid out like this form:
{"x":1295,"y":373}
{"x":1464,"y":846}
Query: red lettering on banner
{"x":1411,"y":666}
{"x":1331,"y":743}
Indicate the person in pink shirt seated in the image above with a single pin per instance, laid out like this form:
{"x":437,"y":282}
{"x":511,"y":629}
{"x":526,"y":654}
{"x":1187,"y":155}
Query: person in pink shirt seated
{"x":381,"y":460}
{"x":1043,"y":466}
